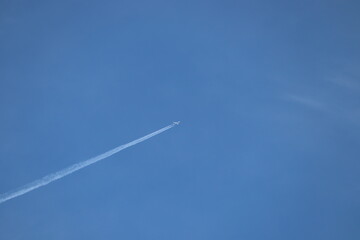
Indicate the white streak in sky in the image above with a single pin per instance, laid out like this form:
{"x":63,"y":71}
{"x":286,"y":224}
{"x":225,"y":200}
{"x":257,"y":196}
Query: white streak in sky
{"x":73,"y":168}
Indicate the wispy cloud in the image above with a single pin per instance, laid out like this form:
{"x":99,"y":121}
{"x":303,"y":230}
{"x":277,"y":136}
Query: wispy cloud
{"x":347,"y":81}
{"x":307,"y":101}
{"x":331,"y":106}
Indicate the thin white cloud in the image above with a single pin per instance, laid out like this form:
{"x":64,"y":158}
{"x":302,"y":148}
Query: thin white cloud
{"x":331,"y":108}
{"x":350,"y":82}
{"x":307,"y":101}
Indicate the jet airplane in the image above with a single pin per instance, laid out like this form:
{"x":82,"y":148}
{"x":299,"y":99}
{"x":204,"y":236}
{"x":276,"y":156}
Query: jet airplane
{"x":176,"y":123}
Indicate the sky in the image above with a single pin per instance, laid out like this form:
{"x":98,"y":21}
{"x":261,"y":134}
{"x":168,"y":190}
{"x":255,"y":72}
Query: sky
{"x":267,"y":92}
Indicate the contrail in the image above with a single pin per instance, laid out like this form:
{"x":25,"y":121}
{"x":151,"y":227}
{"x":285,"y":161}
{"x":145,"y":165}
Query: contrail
{"x":73,"y":168}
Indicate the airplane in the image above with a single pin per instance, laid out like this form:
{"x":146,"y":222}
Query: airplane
{"x":176,"y":123}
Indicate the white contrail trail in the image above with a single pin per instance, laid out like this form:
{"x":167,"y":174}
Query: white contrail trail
{"x":73,"y":168}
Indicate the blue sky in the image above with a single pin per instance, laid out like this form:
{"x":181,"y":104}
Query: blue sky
{"x":267,"y":92}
